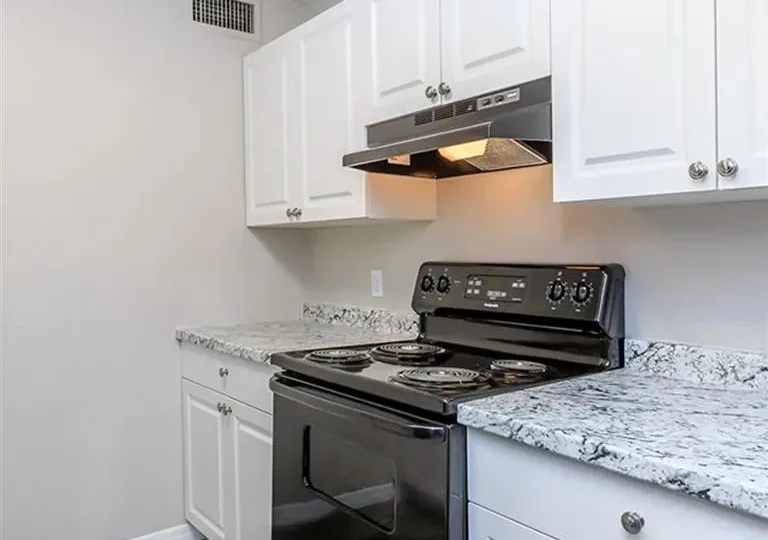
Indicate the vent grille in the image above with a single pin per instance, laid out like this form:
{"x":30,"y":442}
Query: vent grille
{"x":229,"y":14}
{"x":444,"y":113}
{"x":466,"y":107}
{"x":422,"y":118}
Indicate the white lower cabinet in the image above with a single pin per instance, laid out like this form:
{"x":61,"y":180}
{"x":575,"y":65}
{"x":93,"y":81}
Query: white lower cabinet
{"x":205,"y":441}
{"x":533,"y":494}
{"x":487,"y":525}
{"x":252,"y":463}
{"x":227,"y":455}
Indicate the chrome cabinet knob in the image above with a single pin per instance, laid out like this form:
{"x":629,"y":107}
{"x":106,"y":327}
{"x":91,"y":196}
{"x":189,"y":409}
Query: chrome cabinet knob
{"x":224,"y":409}
{"x":698,"y":170}
{"x":444,"y":89}
{"x":727,"y":168}
{"x":298,"y":212}
{"x":430,"y":92}
{"x":223,"y":372}
{"x":632,"y":522}
{"x":288,"y":212}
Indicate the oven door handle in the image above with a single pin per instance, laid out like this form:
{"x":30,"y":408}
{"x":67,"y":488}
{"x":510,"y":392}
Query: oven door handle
{"x":356,"y":411}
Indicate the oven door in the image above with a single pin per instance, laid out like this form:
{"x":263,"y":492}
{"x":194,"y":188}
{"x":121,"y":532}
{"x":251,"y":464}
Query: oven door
{"x":345,"y":469}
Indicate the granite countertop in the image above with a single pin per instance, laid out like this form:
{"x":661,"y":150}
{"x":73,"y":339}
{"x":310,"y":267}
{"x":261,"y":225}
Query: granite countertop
{"x":322,"y":325}
{"x":705,"y":439}
{"x":258,"y":341}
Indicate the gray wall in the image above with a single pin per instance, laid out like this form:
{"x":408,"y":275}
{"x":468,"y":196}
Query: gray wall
{"x":695,"y":273}
{"x":122,"y":217}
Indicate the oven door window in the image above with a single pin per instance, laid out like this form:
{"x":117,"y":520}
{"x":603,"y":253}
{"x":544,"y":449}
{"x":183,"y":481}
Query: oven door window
{"x":350,"y":476}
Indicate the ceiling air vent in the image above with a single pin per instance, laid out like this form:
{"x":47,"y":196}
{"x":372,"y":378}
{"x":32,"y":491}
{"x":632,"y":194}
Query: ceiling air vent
{"x":227,"y":14}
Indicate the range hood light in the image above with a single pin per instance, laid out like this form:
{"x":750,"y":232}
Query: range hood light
{"x":464,"y":150}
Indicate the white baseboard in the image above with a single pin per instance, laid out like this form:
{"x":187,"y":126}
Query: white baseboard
{"x":182,"y":532}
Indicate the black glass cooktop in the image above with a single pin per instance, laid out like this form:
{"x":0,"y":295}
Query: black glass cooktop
{"x":425,"y":375}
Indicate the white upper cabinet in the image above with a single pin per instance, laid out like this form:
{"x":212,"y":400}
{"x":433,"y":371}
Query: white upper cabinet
{"x":329,"y":125}
{"x":307,"y":95}
{"x":402,"y":41}
{"x":268,"y":104}
{"x":633,"y":97}
{"x":742,"y":93}
{"x":490,"y":44}
{"x":426,"y":52}
{"x":657,"y":99}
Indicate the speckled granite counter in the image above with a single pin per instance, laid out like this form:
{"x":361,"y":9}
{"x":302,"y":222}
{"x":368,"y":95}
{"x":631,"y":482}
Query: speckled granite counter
{"x":323,"y":325}
{"x":703,"y":432}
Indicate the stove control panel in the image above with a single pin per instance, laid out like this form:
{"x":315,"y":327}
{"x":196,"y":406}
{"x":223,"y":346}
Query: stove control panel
{"x":571,"y":292}
{"x":497,"y":288}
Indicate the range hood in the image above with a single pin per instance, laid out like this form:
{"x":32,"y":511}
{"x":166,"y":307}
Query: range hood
{"x":507,"y":129}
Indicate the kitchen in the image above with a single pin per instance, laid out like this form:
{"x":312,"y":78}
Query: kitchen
{"x":123,"y":218}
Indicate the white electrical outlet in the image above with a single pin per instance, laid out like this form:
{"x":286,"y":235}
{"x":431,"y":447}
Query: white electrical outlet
{"x":377,"y":283}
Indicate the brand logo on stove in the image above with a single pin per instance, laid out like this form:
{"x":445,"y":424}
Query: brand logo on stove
{"x":491,"y":306}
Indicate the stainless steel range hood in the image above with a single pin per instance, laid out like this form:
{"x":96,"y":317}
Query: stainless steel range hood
{"x":507,"y":129}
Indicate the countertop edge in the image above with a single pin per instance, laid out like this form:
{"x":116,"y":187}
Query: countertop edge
{"x":591,"y":451}
{"x":193,"y":337}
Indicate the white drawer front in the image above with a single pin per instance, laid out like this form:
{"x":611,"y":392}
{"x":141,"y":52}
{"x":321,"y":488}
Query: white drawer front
{"x":241,"y":379}
{"x":570,"y":500}
{"x":487,"y":525}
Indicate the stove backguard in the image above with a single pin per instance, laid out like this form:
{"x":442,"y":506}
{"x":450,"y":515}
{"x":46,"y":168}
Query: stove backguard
{"x":570,"y":313}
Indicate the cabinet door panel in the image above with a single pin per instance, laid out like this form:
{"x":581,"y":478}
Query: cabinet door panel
{"x":252,"y":443}
{"x":491,"y":44}
{"x":487,"y":525}
{"x":204,"y":460}
{"x":633,"y":97}
{"x":742,"y":99}
{"x":329,"y":127}
{"x":401,"y":42}
{"x":268,"y":163}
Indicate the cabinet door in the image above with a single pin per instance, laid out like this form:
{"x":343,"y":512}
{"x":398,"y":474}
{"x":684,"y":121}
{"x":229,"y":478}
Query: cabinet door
{"x":487,"y":525}
{"x":328,"y":125}
{"x":205,"y":436}
{"x":742,"y":86}
{"x":252,"y":473}
{"x":633,"y":97}
{"x":401,"y":45}
{"x":268,"y":161}
{"x":491,"y":44}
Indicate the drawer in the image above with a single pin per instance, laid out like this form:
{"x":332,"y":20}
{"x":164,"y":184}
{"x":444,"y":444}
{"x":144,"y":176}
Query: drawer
{"x":240,"y":379}
{"x":487,"y":525}
{"x":570,"y":500}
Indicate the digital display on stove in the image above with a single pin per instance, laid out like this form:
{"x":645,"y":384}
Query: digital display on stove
{"x":496,"y":288}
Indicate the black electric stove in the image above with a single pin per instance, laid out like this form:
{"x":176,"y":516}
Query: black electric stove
{"x":366,"y":444}
{"x":484,"y":329}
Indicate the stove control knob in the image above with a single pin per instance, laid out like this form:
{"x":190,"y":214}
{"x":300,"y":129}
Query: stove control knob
{"x":556,"y":291}
{"x":443,"y":284}
{"x":582,"y":292}
{"x":427,"y":284}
